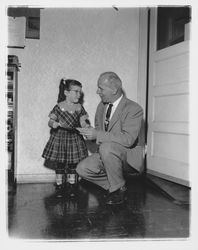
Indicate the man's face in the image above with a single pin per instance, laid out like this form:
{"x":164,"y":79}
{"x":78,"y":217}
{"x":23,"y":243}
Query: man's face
{"x":104,"y":91}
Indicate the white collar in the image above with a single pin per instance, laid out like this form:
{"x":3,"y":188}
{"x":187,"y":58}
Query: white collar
{"x":115,"y":104}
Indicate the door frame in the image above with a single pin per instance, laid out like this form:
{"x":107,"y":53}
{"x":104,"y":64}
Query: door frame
{"x":152,"y":21}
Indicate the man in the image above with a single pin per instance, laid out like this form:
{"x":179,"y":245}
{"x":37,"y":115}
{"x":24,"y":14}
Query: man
{"x":116,"y":130}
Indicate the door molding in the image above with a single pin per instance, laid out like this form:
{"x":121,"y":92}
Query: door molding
{"x":168,"y":123}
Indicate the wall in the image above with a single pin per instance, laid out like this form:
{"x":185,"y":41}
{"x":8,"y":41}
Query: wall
{"x":74,"y":43}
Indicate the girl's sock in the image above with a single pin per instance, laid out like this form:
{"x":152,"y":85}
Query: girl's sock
{"x":59,"y":179}
{"x":60,"y":176}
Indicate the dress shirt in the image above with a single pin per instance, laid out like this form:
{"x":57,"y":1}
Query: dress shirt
{"x":115,"y":104}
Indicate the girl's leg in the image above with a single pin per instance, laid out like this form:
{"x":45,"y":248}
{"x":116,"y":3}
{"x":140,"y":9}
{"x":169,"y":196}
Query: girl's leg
{"x":60,"y":174}
{"x":71,"y":174}
{"x":72,"y":180}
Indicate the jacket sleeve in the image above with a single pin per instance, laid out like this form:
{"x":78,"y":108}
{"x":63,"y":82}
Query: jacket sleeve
{"x":130,"y":127}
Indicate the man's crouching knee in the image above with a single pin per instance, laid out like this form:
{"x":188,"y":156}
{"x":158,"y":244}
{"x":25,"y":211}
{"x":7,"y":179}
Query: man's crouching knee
{"x":108,"y":148}
{"x":80,"y":169}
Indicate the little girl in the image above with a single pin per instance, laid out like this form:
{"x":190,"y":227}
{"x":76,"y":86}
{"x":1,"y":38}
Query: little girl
{"x":66,"y":147}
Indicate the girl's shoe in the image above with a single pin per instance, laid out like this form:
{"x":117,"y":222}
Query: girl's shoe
{"x":59,"y":190}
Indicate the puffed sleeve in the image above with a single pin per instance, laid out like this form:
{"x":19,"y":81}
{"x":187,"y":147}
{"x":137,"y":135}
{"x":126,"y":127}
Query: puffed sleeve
{"x":53,"y":114}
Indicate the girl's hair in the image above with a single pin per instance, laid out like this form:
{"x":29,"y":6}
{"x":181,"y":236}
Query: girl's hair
{"x":66,"y":85}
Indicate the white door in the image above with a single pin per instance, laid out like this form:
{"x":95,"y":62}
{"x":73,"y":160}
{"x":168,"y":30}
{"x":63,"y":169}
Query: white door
{"x":168,"y":109}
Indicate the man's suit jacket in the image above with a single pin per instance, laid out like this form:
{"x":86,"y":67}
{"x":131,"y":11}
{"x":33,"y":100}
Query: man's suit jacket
{"x":124,"y":128}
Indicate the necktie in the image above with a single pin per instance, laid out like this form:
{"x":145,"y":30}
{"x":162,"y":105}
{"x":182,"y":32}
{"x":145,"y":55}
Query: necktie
{"x":106,"y":123}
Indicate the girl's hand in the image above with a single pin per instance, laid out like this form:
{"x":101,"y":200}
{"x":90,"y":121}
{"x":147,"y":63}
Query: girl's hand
{"x":84,"y":121}
{"x":84,"y":124}
{"x":62,"y":124}
{"x":53,"y":116}
{"x":55,"y":124}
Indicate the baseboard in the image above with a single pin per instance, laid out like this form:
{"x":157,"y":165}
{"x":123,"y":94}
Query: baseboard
{"x":178,"y":193}
{"x":169,"y":178}
{"x":35,"y":178}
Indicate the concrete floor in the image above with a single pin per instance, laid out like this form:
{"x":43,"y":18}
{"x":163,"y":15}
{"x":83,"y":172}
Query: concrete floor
{"x":34,"y":212}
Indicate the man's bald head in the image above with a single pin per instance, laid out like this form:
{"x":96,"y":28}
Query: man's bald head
{"x":111,"y":79}
{"x":109,"y":87}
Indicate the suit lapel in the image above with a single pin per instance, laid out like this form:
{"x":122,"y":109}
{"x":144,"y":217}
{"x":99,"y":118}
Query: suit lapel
{"x":101,"y":116}
{"x":117,"y":112}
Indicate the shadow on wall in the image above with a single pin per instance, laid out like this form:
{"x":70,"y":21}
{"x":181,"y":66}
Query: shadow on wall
{"x":50,"y":164}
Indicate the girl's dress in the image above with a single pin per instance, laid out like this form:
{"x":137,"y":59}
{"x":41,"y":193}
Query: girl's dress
{"x":65,"y":144}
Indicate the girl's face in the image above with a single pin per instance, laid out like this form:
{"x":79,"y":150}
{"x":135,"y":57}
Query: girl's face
{"x":74,"y":94}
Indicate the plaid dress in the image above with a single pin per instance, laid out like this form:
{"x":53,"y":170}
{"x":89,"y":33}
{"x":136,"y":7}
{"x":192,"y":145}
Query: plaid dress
{"x":66,"y":145}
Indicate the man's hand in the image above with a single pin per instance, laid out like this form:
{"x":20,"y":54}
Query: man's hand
{"x":88,"y":133}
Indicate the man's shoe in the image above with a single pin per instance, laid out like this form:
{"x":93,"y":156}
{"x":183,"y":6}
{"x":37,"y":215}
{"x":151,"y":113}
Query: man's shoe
{"x":117,"y":197}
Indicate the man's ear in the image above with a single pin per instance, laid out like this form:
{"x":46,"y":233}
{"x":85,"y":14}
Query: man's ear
{"x":115,"y":91}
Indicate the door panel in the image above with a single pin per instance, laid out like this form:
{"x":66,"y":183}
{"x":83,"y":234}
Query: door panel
{"x":164,"y":143}
{"x":168,"y":109}
{"x":171,"y":108}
